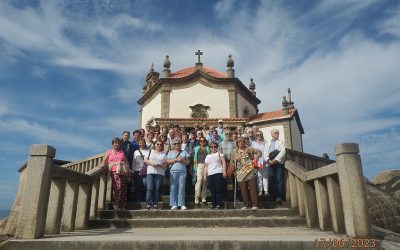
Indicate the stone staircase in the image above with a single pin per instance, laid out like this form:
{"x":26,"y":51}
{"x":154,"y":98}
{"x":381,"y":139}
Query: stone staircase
{"x":270,"y":227}
{"x":198,"y":216}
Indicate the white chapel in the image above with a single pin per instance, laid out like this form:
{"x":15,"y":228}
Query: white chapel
{"x":202,"y":94}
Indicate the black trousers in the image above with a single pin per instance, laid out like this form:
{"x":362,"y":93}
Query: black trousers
{"x":216,"y":188}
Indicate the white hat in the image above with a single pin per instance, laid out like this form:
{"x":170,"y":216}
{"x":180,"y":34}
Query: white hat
{"x":220,"y":120}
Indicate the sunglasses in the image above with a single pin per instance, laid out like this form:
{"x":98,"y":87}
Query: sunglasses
{"x":158,"y":144}
{"x":213,"y":146}
{"x":202,"y":140}
{"x":176,"y":143}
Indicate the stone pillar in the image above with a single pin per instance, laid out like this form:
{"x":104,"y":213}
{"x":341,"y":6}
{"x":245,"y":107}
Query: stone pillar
{"x":69,"y":210}
{"x":102,"y":192}
{"x":54,"y":212}
{"x":335,"y":204}
{"x":109,"y":190}
{"x":300,"y":196}
{"x":293,"y":191}
{"x":233,"y":105}
{"x":310,"y":205}
{"x":352,"y":187}
{"x":165,"y":102}
{"x":94,"y":199}
{"x":324,"y":215}
{"x":32,"y":218}
{"x":83,"y":207}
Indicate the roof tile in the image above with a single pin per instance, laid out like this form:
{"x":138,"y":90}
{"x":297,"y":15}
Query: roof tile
{"x":188,"y":71}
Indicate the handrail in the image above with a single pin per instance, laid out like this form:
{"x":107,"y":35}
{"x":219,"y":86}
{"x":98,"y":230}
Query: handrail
{"x":305,"y":175}
{"x":329,"y":194}
{"x":86,"y":164}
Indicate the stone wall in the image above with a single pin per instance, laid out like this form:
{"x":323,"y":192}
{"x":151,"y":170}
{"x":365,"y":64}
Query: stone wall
{"x":389,"y":181}
{"x":384,"y":210}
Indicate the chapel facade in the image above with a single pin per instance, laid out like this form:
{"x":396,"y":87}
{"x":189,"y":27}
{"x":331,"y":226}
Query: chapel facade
{"x":203,"y":94}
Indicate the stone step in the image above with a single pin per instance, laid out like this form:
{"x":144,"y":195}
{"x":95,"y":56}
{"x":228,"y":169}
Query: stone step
{"x":261,"y":238}
{"x":201,"y":205}
{"x":249,"y":221}
{"x":196,"y":213}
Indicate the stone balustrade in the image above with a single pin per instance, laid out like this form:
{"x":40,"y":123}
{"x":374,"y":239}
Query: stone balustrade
{"x":331,"y":195}
{"x":60,"y":198}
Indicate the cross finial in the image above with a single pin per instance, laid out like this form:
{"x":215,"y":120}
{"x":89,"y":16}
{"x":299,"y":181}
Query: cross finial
{"x":198,"y":54}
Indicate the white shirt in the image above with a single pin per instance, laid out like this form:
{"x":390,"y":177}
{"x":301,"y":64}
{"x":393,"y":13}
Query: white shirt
{"x":138,"y":162}
{"x":214,"y":163}
{"x":159,"y":158}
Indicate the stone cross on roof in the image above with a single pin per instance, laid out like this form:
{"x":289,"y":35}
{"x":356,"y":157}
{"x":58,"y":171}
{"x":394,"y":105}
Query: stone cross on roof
{"x":198,"y":54}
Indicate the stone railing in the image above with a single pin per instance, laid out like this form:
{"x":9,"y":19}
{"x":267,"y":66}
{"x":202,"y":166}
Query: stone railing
{"x":85,"y":165}
{"x":57,"y":198}
{"x":331,"y":195}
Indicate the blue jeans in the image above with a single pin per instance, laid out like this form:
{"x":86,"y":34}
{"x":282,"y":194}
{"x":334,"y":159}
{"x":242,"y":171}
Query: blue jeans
{"x":276,"y":181}
{"x":215,"y":182}
{"x":153,"y":183}
{"x":177,"y":184}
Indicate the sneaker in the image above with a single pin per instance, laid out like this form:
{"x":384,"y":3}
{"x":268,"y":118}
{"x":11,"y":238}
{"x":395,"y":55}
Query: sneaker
{"x":259,"y":193}
{"x":196,"y":201}
{"x":204,"y":200}
{"x":174,"y":208}
{"x":254,"y":208}
{"x":244,"y":208}
{"x":155,"y":207}
{"x":183,"y":208}
{"x":211,"y":207}
{"x":217,"y":208}
{"x":148,"y":207}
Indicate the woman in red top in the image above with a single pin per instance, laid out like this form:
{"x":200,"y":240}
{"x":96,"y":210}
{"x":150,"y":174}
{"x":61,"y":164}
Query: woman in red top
{"x":115,"y":159}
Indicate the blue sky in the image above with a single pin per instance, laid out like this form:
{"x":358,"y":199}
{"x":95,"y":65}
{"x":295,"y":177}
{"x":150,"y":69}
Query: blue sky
{"x":71,"y":71}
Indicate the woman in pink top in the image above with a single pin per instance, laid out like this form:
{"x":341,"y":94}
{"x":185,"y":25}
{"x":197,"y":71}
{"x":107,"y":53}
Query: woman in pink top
{"x":115,"y":158}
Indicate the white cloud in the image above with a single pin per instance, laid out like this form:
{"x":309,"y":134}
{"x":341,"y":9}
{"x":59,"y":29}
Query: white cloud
{"x":223,"y":7}
{"x":43,"y":134}
{"x":391,"y":25}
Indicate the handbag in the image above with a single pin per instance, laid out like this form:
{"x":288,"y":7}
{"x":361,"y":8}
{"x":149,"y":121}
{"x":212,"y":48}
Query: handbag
{"x":273,"y":154}
{"x":122,"y":167}
{"x":143,"y":168}
{"x":245,"y":170}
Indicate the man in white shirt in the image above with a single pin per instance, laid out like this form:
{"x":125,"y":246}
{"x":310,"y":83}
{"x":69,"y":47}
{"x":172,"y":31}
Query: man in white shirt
{"x":274,"y":154}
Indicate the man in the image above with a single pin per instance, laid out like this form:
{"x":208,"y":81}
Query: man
{"x":220,"y":128}
{"x":136,"y":137}
{"x":276,"y":178}
{"x":192,"y":143}
{"x":226,"y":147}
{"x":127,"y":147}
{"x":171,"y":137}
{"x":177,"y":132}
{"x":214,"y":137}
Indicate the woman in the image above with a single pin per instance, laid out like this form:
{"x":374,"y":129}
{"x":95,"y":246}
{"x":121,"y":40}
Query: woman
{"x":215,"y":169}
{"x":177,"y":159}
{"x":119,"y":172}
{"x":242,"y":157}
{"x":138,"y":163}
{"x":164,"y":139}
{"x":156,"y":164}
{"x":199,"y":155}
{"x":262,"y":174}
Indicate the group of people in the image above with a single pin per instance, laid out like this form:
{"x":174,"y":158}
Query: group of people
{"x":206,"y":157}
